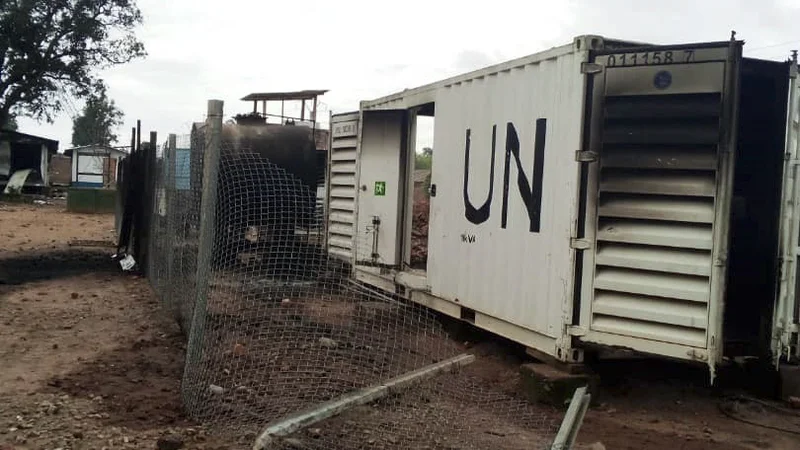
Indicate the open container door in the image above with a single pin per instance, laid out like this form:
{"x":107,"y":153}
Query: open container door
{"x":658,"y":198}
{"x":382,"y":139}
{"x":787,"y":309}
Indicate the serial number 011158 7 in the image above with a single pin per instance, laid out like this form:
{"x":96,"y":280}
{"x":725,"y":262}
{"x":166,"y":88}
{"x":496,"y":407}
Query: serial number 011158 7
{"x":650,"y":58}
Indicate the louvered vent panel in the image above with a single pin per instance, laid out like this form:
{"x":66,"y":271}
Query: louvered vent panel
{"x":342,"y":196}
{"x":655,"y":217}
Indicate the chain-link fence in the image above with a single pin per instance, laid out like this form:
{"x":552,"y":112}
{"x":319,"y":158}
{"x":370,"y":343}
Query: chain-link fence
{"x":283,"y":345}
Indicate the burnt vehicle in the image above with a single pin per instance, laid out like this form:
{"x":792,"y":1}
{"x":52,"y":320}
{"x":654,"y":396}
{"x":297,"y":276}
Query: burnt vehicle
{"x":267,"y":195}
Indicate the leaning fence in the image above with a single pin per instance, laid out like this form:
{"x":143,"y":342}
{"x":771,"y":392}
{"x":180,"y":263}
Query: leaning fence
{"x":283,"y":346}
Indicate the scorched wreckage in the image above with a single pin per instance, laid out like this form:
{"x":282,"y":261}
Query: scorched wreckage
{"x":269,"y":174}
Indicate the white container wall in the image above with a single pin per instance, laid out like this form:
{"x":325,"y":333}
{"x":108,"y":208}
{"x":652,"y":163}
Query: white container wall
{"x":507,"y":189}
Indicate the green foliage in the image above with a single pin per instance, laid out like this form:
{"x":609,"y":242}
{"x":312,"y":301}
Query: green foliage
{"x":52,"y":47}
{"x":98,"y":120}
{"x":11,"y":124}
{"x":424,"y":159}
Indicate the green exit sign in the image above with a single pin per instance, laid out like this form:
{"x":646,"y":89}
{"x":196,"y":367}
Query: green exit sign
{"x":380,"y":188}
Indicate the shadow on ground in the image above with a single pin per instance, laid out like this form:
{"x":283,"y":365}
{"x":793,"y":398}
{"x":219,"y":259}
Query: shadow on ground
{"x":49,"y":265}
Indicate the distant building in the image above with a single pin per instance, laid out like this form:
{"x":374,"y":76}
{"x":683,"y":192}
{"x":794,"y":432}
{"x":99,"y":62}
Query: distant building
{"x":20,"y":151}
{"x":95,"y":165}
{"x":60,"y":170}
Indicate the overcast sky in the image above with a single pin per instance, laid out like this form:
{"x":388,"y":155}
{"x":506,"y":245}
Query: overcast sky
{"x":203,"y":49}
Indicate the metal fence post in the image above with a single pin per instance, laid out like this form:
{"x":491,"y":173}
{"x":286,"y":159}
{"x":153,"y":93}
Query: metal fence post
{"x":170,"y":215}
{"x":148,"y":201}
{"x":211,"y":158}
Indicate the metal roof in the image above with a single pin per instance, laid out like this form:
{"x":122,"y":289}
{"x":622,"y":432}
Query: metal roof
{"x":96,"y":148}
{"x":16,"y":136}
{"x":296,"y":95}
{"x":24,"y":138}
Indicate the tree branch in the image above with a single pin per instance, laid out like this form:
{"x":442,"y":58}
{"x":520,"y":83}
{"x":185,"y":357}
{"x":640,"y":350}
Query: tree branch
{"x":47,"y":44}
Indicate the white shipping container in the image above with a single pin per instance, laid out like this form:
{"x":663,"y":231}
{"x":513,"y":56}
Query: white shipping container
{"x":587,"y":197}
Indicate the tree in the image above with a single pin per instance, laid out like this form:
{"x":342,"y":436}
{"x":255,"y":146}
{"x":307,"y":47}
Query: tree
{"x":98,"y":120}
{"x":423,"y":159}
{"x":53,"y":47}
{"x":11,"y":124}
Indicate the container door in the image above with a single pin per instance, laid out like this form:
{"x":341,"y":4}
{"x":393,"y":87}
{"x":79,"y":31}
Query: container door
{"x":663,"y":129}
{"x":787,"y":309}
{"x":341,"y":188}
{"x":380,"y":175}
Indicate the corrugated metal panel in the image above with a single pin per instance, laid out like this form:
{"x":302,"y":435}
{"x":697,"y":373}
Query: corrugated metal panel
{"x":341,"y":186}
{"x":520,"y":268}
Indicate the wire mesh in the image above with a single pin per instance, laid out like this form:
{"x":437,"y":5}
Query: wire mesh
{"x":283,"y":327}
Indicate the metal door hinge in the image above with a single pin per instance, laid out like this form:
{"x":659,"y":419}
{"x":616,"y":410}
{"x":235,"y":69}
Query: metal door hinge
{"x":585,"y":156}
{"x":432,"y":190}
{"x":591,"y":68}
{"x":579,"y":244}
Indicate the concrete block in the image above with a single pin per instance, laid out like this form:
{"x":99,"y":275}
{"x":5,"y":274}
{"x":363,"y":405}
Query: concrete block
{"x":543,"y":383}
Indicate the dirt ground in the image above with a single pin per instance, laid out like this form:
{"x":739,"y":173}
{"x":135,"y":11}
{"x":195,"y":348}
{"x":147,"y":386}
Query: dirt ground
{"x":89,"y":361}
{"x":664,"y":405}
